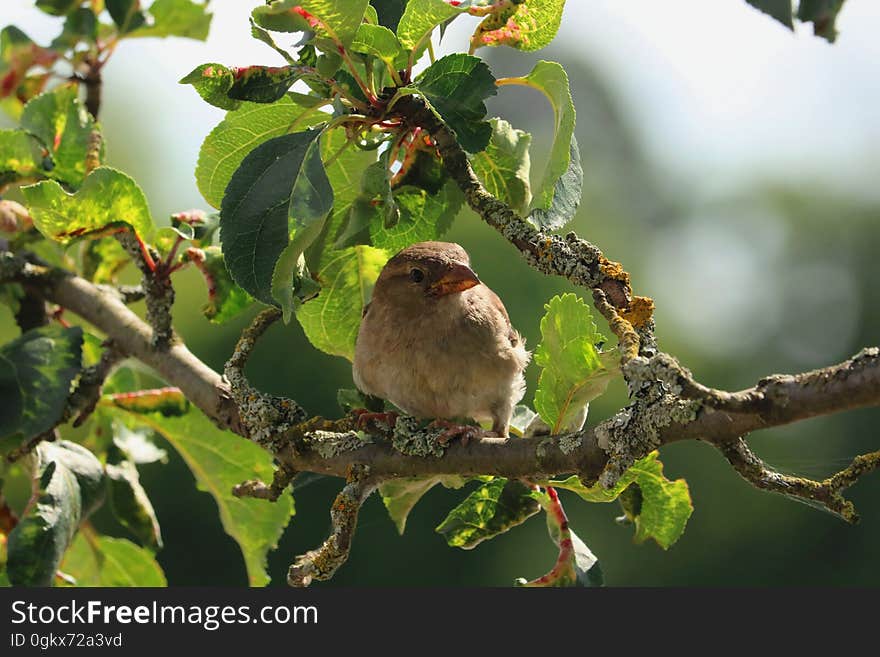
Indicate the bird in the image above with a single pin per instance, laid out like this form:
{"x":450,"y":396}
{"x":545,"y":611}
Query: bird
{"x":437,"y":342}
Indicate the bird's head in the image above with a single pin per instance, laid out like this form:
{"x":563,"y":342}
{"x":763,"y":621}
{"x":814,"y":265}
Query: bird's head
{"x":425,"y":272}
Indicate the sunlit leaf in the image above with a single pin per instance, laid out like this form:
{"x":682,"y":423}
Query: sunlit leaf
{"x":504,"y":166}
{"x":105,"y":561}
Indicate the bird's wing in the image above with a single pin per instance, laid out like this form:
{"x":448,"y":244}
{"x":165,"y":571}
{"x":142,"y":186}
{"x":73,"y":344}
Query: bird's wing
{"x":512,"y":334}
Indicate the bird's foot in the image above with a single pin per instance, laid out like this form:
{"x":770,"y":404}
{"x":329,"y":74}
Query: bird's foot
{"x":366,"y":418}
{"x":453,"y":431}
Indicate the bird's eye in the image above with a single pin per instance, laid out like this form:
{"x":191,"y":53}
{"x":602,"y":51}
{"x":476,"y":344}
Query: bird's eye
{"x":416,"y":275}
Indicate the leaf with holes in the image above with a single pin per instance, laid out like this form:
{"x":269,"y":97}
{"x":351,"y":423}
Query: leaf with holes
{"x":107,"y":197}
{"x":663,"y":506}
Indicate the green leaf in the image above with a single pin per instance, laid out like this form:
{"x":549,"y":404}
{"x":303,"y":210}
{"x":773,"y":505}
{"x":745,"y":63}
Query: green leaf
{"x":665,"y":505}
{"x":262,"y":35}
{"x":389,"y":12}
{"x":226,"y":300}
{"x":423,"y":217}
{"x":573,"y":372}
{"x":823,"y":15}
{"x":504,"y":166}
{"x":400,"y":495}
{"x":213,"y":82}
{"x":131,"y":505}
{"x":62,"y":124}
{"x":70,"y":479}
{"x":19,"y":155}
{"x":332,"y":319}
{"x":79,"y":26}
{"x":126,"y":14}
{"x":420,"y":18}
{"x":58,"y":7}
{"x":456,"y":86}
{"x":527,"y":25}
{"x":492,"y":509}
{"x":106,"y":197}
{"x":104,"y":561}
{"x":274,"y":205}
{"x":181,"y":18}
{"x":380,"y":42}
{"x":220,"y":460}
{"x":240,"y":132}
{"x":561,"y":187}
{"x":778,"y":9}
{"x":263,"y":84}
{"x":339,"y":19}
{"x":169,"y":402}
{"x":45,"y":361}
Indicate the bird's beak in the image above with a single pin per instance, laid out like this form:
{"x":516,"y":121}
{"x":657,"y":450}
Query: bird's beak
{"x":457,"y":279}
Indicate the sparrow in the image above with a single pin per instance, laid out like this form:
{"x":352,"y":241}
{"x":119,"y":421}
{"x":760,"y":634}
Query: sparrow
{"x":437,"y":343}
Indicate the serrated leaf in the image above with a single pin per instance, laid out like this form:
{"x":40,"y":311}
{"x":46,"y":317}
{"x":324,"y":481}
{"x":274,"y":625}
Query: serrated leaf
{"x":279,"y":193}
{"x":574,"y":371}
{"x":58,"y":119}
{"x":180,"y":18}
{"x":420,"y":18}
{"x":104,"y":561}
{"x":220,"y":460}
{"x":823,"y":15}
{"x":504,"y":167}
{"x":456,"y":86}
{"x":131,"y":505}
{"x":107,"y":196}
{"x":45,"y":361}
{"x":779,"y":9}
{"x":560,"y":191}
{"x":339,"y":19}
{"x":529,"y":25}
{"x":126,"y":14}
{"x":423,"y":217}
{"x":400,"y":495}
{"x":70,"y":482}
{"x":389,"y":12}
{"x":331,"y":320}
{"x":492,"y":509}
{"x":226,"y":300}
{"x":240,"y":132}
{"x":212,"y":82}
{"x":666,"y":505}
{"x":380,"y":42}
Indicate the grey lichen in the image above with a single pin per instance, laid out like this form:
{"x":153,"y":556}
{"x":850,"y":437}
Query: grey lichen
{"x":570,"y":442}
{"x":329,"y":444}
{"x":409,"y":437}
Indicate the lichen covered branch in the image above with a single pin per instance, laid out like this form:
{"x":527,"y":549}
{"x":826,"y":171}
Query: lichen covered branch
{"x":322,"y":564}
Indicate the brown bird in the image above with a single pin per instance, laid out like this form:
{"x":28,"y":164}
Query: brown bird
{"x":437,"y":343}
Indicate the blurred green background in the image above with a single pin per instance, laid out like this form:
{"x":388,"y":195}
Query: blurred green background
{"x":730,"y":165}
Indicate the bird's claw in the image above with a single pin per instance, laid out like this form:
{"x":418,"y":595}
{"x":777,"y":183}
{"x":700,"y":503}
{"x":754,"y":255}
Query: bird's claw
{"x":463,"y":432}
{"x":365,"y":418}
